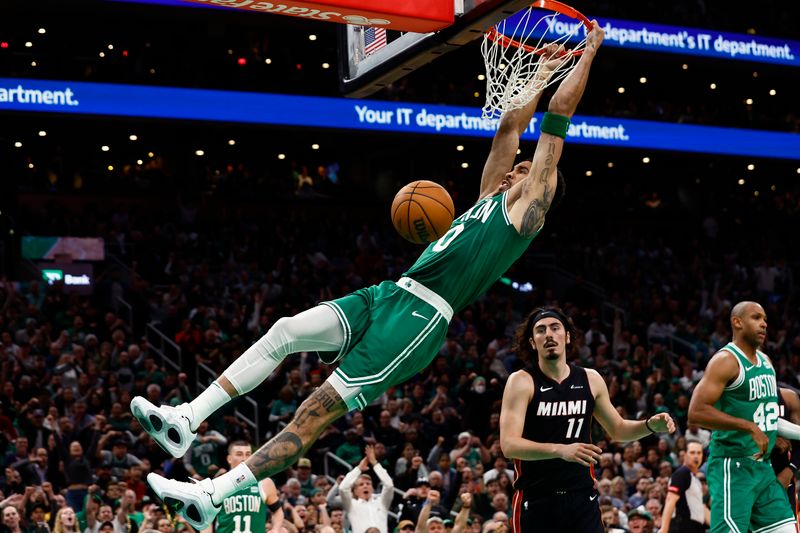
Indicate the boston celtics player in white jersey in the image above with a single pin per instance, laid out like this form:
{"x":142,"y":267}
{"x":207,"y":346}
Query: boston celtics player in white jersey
{"x":738,"y":399}
{"x":248,"y":510}
{"x":385,"y":334}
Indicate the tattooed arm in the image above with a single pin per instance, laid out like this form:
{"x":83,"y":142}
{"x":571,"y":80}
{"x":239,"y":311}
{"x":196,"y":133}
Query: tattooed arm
{"x":512,"y":125}
{"x":314,"y":415}
{"x":530,"y":198}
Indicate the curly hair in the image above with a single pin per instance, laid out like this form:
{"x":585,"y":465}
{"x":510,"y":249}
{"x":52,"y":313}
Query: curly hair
{"x":524,"y":333}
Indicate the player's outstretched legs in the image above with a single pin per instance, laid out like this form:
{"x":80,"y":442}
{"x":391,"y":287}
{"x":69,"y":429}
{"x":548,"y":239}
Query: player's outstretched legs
{"x":199,"y":502}
{"x":173,"y":428}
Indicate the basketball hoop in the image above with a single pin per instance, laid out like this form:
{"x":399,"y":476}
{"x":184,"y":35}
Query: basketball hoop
{"x":513,"y":53}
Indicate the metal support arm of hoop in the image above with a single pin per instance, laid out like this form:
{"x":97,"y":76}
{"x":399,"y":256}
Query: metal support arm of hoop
{"x":413,"y":50}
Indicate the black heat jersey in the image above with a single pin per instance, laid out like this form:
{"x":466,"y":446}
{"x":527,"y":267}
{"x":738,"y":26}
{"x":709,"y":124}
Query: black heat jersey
{"x":780,"y":461}
{"x":558,"y":413}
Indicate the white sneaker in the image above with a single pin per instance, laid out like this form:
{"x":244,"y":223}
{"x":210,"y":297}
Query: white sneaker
{"x":169,"y":426}
{"x":190,"y":500}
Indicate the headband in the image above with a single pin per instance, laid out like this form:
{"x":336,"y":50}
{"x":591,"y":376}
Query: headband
{"x":551,"y":313}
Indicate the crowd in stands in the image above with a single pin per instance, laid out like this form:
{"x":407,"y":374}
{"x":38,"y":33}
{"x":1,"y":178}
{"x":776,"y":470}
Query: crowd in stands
{"x":655,"y":264}
{"x":214,"y":281}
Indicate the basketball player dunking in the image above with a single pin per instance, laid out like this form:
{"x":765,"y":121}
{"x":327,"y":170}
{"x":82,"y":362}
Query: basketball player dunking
{"x":545,"y":426}
{"x":387,"y":333}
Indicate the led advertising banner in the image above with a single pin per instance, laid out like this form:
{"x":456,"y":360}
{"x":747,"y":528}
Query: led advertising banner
{"x":661,"y":38}
{"x":66,"y":97}
{"x":78,"y":278}
{"x":63,"y":248}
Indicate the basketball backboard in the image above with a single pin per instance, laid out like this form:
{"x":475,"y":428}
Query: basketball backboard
{"x":362,"y":74}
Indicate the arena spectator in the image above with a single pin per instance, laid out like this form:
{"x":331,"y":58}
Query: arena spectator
{"x":12,"y":520}
{"x":201,"y":459}
{"x":470,"y":448}
{"x":20,"y":451}
{"x":610,"y":516}
{"x":630,"y":466}
{"x":415,"y":497}
{"x":640,"y":496}
{"x":500,"y":465}
{"x":640,"y":521}
{"x":386,"y":433}
{"x":427,"y":522}
{"x":406,"y":526}
{"x":292,"y":492}
{"x":654,"y":507}
{"x":305,"y":476}
{"x":36,"y":518}
{"x":118,"y":458}
{"x":350,"y":449}
{"x":364,"y":509}
{"x":120,"y":522}
{"x":66,"y":521}
{"x":696,"y":433}
{"x":33,"y":468}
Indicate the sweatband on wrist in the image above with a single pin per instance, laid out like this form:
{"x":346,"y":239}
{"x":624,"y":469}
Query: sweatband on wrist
{"x":555,"y":125}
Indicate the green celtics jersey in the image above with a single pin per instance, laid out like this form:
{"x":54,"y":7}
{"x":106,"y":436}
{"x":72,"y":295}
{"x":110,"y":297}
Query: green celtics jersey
{"x":478,"y":248}
{"x":753,"y":395}
{"x":244,"y":512}
{"x":203,"y":455}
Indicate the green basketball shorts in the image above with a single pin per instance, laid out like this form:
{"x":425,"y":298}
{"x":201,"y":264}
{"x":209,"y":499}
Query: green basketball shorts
{"x":391,"y":332}
{"x":746,"y":496}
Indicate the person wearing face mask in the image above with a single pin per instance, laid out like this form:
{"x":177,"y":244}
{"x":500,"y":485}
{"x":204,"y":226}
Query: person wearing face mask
{"x":479,"y":385}
{"x":477,"y":401}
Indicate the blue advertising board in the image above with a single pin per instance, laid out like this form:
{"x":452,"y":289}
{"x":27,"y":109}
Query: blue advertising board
{"x":652,"y":37}
{"x":80,"y":98}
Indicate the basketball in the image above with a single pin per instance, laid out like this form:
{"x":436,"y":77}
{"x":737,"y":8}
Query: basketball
{"x":422,"y":211}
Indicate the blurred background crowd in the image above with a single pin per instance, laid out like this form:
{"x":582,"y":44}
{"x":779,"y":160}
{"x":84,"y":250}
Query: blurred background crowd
{"x":649,"y":318}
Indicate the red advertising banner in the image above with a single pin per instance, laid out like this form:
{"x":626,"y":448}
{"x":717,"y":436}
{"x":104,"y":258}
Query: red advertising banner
{"x":419,"y":16}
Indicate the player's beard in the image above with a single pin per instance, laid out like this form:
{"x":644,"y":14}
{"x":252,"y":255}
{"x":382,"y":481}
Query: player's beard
{"x":754,"y":340}
{"x":551,"y":355}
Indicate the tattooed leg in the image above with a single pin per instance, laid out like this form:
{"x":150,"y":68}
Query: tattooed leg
{"x":314,"y":415}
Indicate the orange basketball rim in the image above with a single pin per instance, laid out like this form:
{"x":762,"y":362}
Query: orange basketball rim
{"x":552,"y":5}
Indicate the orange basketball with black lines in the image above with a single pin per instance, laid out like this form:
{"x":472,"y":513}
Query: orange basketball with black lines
{"x":422,"y":211}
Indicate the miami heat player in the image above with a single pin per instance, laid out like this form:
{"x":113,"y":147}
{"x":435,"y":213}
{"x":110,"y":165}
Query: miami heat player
{"x":545,"y":426}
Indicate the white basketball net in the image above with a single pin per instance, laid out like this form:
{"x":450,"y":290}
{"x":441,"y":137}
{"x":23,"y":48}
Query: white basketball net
{"x":513,"y":73}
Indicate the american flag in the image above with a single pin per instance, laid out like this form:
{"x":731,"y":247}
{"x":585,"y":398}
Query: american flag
{"x":374,"y":39}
